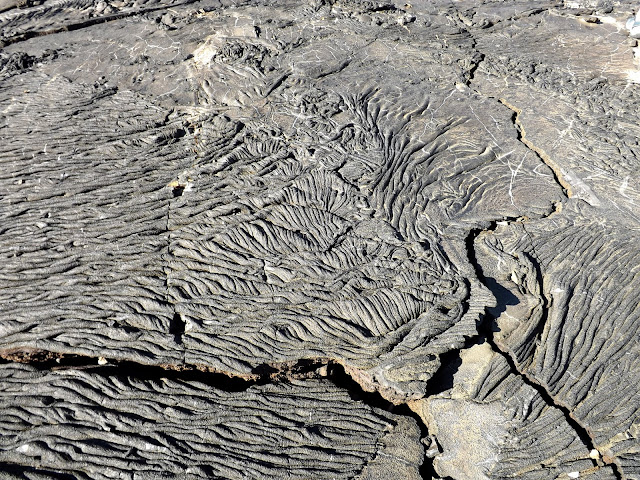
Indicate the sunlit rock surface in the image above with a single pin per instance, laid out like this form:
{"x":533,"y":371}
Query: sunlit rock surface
{"x":440,"y":199}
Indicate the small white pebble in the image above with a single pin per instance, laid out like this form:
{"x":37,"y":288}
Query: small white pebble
{"x":574,"y":474}
{"x":102,"y":361}
{"x":23,"y":448}
{"x":595,"y":454}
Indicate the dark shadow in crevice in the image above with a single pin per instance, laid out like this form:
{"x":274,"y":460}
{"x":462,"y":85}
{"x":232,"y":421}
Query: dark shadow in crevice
{"x":177,"y":327}
{"x":504,"y":296}
{"x":442,"y":380}
{"x":43,"y":360}
{"x":304,"y":368}
{"x":178,"y":190}
{"x":51,"y":361}
{"x":23,"y":471}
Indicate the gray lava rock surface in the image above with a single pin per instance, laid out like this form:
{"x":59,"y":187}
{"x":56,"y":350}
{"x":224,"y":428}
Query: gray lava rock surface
{"x":439,"y":199}
{"x":90,"y":425}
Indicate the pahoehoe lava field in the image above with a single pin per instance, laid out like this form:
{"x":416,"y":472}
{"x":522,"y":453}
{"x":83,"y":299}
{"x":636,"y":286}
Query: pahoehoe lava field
{"x":319,"y":239}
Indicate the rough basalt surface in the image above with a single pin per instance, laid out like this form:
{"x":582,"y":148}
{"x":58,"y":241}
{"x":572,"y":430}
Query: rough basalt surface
{"x":347,"y":207}
{"x":75,"y":419}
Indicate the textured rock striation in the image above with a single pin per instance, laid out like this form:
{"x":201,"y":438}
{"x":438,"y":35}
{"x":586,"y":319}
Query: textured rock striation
{"x":437,"y":198}
{"x":89,"y":425}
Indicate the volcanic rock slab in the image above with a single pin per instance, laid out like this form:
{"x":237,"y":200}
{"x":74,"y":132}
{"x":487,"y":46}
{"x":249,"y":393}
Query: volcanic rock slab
{"x":312,"y":203}
{"x":84,"y":424}
{"x":573,"y":324}
{"x":243,"y":187}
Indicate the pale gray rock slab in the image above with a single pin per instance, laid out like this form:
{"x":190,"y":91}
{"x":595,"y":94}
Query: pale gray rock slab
{"x":333,"y":225}
{"x":84,"y":213}
{"x":83,"y":424}
{"x":585,"y":119}
{"x":41,"y":18}
{"x":492,"y":425}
